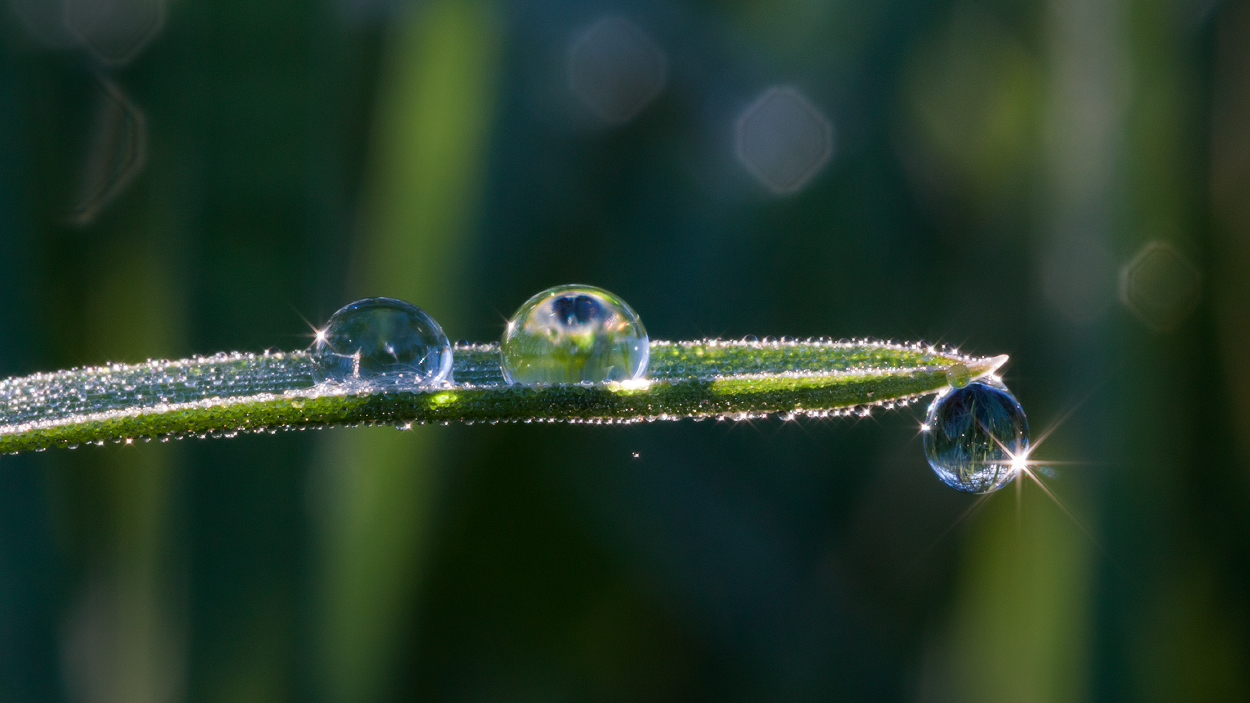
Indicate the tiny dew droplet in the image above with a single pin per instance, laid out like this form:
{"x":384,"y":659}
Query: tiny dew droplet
{"x":382,"y":341}
{"x":571,"y":334}
{"x":958,"y":375}
{"x":972,"y":435}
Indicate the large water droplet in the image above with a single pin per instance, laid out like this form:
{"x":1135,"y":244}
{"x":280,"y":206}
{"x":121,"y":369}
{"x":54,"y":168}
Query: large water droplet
{"x":972,"y":435}
{"x":382,"y":341}
{"x":571,"y":334}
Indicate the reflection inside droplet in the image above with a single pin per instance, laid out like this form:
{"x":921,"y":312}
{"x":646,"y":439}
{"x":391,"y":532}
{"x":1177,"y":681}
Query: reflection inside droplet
{"x":571,"y":334}
{"x":382,"y":341}
{"x":975,"y":437}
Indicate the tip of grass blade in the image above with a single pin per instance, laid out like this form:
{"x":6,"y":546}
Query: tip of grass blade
{"x":993,"y":363}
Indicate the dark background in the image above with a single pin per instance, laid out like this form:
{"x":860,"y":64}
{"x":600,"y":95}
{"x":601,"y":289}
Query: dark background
{"x":1065,"y":181}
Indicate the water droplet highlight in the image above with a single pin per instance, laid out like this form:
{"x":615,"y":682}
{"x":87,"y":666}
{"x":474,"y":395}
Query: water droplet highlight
{"x":972,"y":435}
{"x":574,"y":333}
{"x":382,"y":341}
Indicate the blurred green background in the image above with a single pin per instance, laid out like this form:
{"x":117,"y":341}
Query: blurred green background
{"x":1065,"y":181}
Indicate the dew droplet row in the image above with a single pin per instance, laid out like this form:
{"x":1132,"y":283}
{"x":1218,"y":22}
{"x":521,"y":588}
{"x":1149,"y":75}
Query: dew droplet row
{"x":566,"y":334}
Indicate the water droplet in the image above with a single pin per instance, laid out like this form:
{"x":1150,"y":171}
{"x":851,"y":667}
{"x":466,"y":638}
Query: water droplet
{"x":972,"y":434}
{"x":958,"y":375}
{"x":569,"y":334}
{"x":382,"y":341}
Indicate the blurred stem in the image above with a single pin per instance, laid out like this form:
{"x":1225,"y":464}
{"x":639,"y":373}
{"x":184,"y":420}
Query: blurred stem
{"x":1178,"y":635}
{"x":429,"y":148}
{"x":1018,"y":632}
{"x":1018,"y":629}
{"x":122,"y":635}
{"x":1230,"y":169}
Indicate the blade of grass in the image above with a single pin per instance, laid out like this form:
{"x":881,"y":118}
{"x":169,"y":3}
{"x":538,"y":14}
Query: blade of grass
{"x":227,"y":394}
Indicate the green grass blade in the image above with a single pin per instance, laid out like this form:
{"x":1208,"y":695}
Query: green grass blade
{"x":230,"y":393}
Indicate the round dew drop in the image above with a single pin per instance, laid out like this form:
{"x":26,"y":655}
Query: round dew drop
{"x":574,"y":334}
{"x":958,"y":375}
{"x":382,"y":341}
{"x":972,"y":434}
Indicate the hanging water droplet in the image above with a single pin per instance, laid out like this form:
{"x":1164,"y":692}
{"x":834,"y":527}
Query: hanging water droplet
{"x":958,"y":375}
{"x":382,"y":341}
{"x":574,"y":333}
{"x":973,"y":435}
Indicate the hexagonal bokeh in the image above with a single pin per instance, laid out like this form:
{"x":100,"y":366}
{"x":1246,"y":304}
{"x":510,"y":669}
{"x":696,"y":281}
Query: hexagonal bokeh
{"x":783,"y":139}
{"x":45,"y":21}
{"x":615,"y":69}
{"x":114,"y":31}
{"x":116,"y":151}
{"x":1160,"y":286}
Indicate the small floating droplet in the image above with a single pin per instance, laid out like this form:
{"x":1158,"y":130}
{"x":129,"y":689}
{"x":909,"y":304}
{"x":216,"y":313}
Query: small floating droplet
{"x":570,"y":334}
{"x":382,"y":341}
{"x":973,"y":436}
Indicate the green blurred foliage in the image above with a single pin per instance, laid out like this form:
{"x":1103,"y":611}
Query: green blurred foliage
{"x":995,"y":166}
